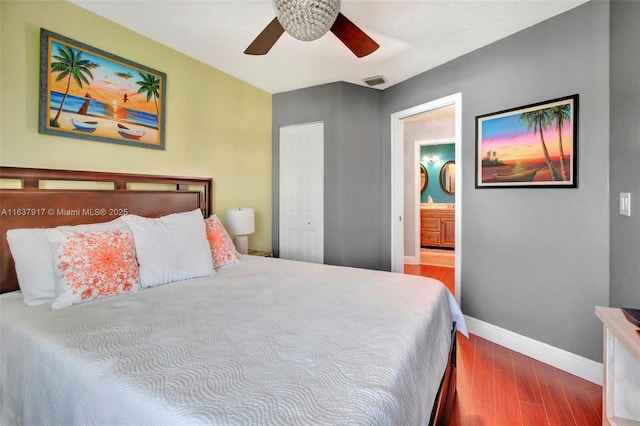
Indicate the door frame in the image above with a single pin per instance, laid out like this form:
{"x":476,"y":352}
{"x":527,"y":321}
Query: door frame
{"x":397,"y":181}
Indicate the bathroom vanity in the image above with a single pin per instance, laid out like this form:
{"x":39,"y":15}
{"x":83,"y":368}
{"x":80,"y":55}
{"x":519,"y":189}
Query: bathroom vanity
{"x":437,"y":225}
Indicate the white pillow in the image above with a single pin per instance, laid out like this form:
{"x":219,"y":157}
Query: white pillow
{"x":34,"y":265}
{"x":171,"y":248}
{"x":93,"y":265}
{"x":34,"y":261}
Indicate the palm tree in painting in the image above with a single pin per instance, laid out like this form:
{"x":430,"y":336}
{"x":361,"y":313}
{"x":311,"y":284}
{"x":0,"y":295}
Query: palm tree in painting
{"x":70,"y":65}
{"x":491,"y":159}
{"x":560,"y":114}
{"x":151,"y":86}
{"x":539,"y":120}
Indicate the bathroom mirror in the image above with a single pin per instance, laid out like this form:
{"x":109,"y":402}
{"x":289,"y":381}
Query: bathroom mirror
{"x":424,"y":178}
{"x":448,"y":177}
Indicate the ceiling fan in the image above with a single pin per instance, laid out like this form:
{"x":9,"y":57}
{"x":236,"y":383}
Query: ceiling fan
{"x":309,"y":20}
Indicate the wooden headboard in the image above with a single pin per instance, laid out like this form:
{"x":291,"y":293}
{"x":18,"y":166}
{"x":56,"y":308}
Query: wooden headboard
{"x":36,"y":202}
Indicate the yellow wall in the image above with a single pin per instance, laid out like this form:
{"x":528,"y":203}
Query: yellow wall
{"x":216,"y":125}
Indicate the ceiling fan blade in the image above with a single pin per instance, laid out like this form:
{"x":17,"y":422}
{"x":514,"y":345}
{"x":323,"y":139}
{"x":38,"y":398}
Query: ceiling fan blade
{"x":266,"y":39}
{"x":353,"y":37}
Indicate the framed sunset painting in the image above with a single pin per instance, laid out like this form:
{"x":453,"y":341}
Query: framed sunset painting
{"x":530,"y":146}
{"x":90,"y":94}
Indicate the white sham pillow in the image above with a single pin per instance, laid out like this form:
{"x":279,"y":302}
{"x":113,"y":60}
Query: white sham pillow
{"x":34,"y":260}
{"x":171,"y":248}
{"x":34,"y":265}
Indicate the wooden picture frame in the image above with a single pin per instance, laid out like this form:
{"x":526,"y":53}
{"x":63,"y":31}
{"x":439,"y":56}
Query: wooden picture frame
{"x":447,"y":177}
{"x":530,"y":146}
{"x":424,"y":178}
{"x":91,"y":94}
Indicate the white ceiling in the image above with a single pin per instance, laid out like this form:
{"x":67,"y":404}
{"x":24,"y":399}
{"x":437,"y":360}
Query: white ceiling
{"x":414,"y":36}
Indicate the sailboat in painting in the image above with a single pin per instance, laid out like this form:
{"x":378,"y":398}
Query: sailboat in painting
{"x":128,"y":133}
{"x":84,"y":126}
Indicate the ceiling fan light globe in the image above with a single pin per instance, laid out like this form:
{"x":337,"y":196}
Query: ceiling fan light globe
{"x":306,"y":20}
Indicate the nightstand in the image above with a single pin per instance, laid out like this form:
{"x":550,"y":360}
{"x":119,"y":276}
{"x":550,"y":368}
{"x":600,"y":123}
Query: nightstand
{"x":260,"y":253}
{"x":621,"y":362}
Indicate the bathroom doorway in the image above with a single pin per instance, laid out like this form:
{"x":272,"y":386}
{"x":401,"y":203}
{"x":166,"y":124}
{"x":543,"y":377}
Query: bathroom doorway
{"x":435,"y":207}
{"x":434,"y":123}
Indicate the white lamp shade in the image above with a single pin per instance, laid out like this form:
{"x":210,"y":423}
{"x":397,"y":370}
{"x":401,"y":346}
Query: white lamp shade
{"x":240,"y":221}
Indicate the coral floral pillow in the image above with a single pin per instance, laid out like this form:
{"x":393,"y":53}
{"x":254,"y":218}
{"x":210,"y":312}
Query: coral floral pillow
{"x":93,"y":265}
{"x":223,"y":250}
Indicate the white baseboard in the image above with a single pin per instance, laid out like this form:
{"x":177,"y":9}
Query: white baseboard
{"x":411,"y":260}
{"x":571,"y":363}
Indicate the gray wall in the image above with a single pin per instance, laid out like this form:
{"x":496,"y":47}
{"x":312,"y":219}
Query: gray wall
{"x":534,"y":261}
{"x":352,"y":178}
{"x":625,"y":152}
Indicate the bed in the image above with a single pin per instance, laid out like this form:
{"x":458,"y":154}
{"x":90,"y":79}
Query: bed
{"x":258,"y":341}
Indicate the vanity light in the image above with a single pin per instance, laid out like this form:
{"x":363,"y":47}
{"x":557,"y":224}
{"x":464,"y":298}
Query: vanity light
{"x":240,"y":223}
{"x":431,"y":158}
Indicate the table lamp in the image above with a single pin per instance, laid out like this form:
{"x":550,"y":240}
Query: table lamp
{"x":240,"y":223}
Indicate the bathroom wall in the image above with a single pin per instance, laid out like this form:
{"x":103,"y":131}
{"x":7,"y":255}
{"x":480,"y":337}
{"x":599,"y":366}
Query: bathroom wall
{"x":445,"y":152}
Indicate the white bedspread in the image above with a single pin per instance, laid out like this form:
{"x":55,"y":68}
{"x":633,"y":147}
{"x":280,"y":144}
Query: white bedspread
{"x":264,"y":341}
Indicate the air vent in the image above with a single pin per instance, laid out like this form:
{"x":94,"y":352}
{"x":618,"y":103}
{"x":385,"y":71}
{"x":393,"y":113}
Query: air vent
{"x":374,"y":81}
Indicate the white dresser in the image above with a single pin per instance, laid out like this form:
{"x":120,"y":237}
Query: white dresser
{"x":621,"y":384}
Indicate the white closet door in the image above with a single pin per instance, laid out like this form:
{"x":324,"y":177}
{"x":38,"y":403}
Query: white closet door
{"x":302,"y":192}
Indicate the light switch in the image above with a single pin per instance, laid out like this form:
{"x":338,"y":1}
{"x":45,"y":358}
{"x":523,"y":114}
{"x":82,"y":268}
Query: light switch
{"x":625,"y":203}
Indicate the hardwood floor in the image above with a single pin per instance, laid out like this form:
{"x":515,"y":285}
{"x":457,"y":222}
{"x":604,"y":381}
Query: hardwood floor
{"x":442,"y":273}
{"x":500,"y":387}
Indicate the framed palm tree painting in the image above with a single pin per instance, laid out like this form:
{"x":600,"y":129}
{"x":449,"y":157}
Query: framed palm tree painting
{"x":530,"y":146}
{"x":91,"y":94}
